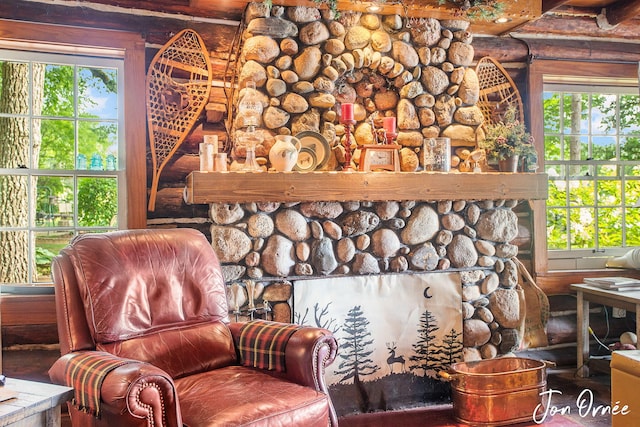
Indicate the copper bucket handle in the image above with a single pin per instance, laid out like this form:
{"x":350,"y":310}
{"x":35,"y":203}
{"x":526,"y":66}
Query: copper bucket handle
{"x":447,"y":376}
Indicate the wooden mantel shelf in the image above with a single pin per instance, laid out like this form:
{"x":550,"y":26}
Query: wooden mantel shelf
{"x":244,"y":187}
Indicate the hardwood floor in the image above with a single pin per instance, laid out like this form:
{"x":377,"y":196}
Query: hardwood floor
{"x":561,"y":380}
{"x":33,"y":365}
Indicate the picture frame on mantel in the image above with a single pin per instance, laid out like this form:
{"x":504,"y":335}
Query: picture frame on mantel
{"x":380,"y":157}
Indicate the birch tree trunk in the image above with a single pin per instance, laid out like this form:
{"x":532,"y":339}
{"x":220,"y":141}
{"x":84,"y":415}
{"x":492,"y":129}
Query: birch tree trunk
{"x":16,"y":139}
{"x":574,"y":140}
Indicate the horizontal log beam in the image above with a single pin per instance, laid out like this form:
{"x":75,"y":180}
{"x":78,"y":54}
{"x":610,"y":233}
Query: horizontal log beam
{"x":156,"y":28}
{"x":502,"y":49}
{"x":583,"y":50}
{"x":517,"y":49}
{"x":552,"y":26}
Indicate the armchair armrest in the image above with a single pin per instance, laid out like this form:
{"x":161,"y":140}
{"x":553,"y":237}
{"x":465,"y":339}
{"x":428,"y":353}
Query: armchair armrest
{"x":307,"y":352}
{"x":124,"y":386}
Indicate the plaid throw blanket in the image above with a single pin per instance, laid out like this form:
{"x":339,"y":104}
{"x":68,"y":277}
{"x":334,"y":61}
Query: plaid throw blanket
{"x":85,"y":373}
{"x":262,"y":344}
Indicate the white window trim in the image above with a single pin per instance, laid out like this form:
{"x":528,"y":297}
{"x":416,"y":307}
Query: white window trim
{"x":585,"y":259}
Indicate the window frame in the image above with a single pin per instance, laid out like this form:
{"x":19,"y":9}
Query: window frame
{"x":589,"y":258}
{"x":584,"y":71}
{"x":131,"y":48}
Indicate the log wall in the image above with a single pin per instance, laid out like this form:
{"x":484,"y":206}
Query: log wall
{"x":31,"y":327}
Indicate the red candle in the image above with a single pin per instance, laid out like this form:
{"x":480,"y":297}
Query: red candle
{"x":347,"y":111}
{"x":389,"y":124}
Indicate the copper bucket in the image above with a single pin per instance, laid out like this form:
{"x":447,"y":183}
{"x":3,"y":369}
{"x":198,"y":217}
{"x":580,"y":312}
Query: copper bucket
{"x":498,"y":391}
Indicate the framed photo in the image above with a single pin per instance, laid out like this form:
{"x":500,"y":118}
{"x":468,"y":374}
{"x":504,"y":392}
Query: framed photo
{"x":380,"y":157}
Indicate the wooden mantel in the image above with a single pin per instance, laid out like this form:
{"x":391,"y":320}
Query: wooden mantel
{"x":244,"y":187}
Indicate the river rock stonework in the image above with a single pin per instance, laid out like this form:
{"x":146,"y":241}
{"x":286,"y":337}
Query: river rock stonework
{"x":305,"y":64}
{"x":273,"y":244}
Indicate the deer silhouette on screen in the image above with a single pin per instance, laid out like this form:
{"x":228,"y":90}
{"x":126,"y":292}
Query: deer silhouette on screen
{"x":392,"y":359}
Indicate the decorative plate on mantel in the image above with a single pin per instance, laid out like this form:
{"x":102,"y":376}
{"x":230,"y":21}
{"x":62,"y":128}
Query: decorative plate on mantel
{"x":313,"y":145}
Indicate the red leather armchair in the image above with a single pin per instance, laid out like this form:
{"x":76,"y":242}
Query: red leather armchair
{"x":146,"y":340}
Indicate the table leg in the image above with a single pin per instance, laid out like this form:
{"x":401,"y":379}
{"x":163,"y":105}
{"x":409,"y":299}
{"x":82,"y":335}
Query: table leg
{"x":53,"y":417}
{"x":583,"y":335}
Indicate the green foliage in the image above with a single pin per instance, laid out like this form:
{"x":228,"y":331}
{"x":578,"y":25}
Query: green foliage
{"x":58,"y":91}
{"x":58,"y":133}
{"x":331,"y":4}
{"x":43,"y":260}
{"x":477,"y":9}
{"x":97,"y":201}
{"x":592,"y":204}
{"x":507,"y":138}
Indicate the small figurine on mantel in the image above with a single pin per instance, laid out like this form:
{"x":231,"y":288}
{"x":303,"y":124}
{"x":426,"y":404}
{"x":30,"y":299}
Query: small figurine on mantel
{"x":383,"y":129}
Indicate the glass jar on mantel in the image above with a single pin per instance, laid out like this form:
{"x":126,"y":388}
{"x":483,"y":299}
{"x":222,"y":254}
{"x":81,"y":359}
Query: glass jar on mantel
{"x":249,"y":117}
{"x":437,"y":154}
{"x":249,"y":112}
{"x":249,"y":138}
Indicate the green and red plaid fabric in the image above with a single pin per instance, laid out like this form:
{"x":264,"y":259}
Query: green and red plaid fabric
{"x":262,"y":344}
{"x":85,"y":372}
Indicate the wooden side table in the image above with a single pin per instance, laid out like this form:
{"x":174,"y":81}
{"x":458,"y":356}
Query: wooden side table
{"x":626,"y":300}
{"x":35,"y":404}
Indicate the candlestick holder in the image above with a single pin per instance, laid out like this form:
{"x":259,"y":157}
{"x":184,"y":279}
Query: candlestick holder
{"x":390,"y":137}
{"x":348,"y":124}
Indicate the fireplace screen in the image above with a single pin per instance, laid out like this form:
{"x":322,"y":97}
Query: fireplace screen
{"x":395,"y":332}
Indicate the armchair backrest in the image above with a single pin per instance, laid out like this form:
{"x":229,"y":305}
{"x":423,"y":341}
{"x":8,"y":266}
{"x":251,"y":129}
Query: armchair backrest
{"x":143,"y":293}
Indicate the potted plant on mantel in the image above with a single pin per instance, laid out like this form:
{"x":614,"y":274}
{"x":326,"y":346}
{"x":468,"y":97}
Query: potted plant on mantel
{"x":509,"y":143}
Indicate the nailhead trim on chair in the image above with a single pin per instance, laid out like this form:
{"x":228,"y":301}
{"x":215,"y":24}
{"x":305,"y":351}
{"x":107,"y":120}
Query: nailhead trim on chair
{"x":149,"y":408}
{"x":316,"y":378}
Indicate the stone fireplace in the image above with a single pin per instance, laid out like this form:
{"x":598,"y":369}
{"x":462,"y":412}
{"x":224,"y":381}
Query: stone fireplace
{"x":275,"y":230}
{"x":278,"y":232}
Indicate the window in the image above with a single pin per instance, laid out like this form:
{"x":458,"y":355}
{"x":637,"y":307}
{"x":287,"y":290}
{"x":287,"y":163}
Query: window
{"x":61,"y":169}
{"x":592,"y":157}
{"x":72,"y":142}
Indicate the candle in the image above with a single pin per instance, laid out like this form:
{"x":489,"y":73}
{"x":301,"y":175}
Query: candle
{"x":347,"y":111}
{"x":220,"y":162}
{"x":389,"y":124}
{"x":213,"y":140}
{"x":206,"y":157}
